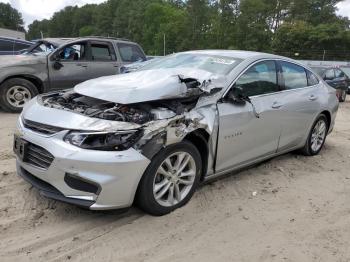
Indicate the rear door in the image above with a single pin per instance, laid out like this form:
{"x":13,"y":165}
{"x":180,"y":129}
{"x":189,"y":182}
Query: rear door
{"x":103,"y":59}
{"x":69,"y":65}
{"x":300,"y":104}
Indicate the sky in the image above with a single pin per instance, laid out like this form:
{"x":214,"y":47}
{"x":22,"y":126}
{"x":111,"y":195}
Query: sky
{"x":41,"y":9}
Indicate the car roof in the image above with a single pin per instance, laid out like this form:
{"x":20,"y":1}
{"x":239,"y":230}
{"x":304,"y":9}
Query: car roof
{"x":15,"y":39}
{"x":322,"y":66}
{"x":56,"y":41}
{"x":236,"y":54}
{"x":99,"y":38}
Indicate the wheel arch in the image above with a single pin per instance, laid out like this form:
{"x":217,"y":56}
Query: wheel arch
{"x":37,"y":82}
{"x":328,"y":116}
{"x":199,"y":138}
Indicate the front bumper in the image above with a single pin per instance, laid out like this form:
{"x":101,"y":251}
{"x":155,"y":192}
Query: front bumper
{"x":116,"y":174}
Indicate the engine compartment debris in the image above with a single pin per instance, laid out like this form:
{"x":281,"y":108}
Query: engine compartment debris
{"x":139,"y":113}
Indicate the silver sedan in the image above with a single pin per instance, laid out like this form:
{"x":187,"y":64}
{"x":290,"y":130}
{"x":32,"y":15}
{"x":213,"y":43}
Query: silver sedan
{"x":152,"y":136}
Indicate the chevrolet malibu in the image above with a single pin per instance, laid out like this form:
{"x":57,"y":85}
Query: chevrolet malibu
{"x":152,"y":136}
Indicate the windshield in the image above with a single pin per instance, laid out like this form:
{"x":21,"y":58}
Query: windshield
{"x":220,"y":65}
{"x":40,"y":48}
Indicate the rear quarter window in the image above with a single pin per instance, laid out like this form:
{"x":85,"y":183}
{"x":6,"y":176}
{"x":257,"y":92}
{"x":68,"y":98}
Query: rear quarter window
{"x":311,"y":79}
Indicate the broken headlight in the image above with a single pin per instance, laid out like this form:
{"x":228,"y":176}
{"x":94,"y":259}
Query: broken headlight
{"x":104,"y":141}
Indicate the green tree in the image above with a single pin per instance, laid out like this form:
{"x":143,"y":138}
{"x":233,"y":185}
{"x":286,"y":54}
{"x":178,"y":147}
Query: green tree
{"x":163,"y":19}
{"x":287,"y":27}
{"x":10,"y":18}
{"x":253,"y":31}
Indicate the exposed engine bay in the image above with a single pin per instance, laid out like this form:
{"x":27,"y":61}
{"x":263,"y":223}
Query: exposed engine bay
{"x":138,"y":113}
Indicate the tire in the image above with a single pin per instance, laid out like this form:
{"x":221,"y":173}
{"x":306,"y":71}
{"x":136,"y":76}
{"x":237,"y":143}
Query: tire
{"x":342,"y":96}
{"x":15,"y":92}
{"x":147,"y":190}
{"x":309,"y":148}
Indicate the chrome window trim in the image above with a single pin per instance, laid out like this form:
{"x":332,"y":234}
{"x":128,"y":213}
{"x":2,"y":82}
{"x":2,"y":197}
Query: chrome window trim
{"x":279,"y":92}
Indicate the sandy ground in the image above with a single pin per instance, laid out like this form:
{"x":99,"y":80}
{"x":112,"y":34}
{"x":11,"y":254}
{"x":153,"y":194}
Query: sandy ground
{"x":301,"y":212}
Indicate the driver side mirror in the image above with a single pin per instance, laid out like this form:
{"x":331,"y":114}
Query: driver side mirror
{"x":56,"y":58}
{"x":237,"y":96}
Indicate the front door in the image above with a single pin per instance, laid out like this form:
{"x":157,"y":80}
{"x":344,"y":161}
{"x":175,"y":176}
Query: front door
{"x":245,"y":136}
{"x":70,"y":66}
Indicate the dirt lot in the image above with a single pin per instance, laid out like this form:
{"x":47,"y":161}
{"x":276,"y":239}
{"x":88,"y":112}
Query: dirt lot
{"x":300,"y":212}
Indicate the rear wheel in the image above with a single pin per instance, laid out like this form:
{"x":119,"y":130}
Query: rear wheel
{"x":15,"y":92}
{"x":170,"y":180}
{"x":317,"y":136}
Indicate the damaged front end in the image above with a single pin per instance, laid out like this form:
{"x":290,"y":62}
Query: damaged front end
{"x":155,"y":124}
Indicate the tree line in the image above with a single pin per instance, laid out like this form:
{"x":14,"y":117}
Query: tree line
{"x":304,"y":29}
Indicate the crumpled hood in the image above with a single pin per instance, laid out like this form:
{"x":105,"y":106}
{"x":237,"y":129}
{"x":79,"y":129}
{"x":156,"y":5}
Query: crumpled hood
{"x":15,"y":60}
{"x":35,"y":111}
{"x":142,"y":86}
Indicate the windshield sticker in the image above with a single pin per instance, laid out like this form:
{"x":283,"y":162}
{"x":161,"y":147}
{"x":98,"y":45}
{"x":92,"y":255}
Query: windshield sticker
{"x":224,"y":61}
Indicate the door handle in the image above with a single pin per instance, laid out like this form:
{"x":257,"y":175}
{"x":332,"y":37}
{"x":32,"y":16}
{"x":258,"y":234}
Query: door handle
{"x":276,"y":105}
{"x":312,"y":97}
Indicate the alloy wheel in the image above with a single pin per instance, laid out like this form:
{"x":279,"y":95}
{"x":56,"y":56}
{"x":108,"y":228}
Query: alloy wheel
{"x":318,"y":135}
{"x":17,"y":96}
{"x":174,"y":179}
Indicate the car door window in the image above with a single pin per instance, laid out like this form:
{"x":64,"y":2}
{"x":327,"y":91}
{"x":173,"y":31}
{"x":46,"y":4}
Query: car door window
{"x":294,"y":76}
{"x":311,"y":79}
{"x":6,"y":45}
{"x":259,"y":79}
{"x":329,"y":75}
{"x":102,"y":52}
{"x":73,"y":52}
{"x":130,"y":52}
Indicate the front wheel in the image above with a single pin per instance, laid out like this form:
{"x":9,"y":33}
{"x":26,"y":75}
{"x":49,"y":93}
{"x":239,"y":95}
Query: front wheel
{"x":317,"y":136}
{"x":170,"y":180}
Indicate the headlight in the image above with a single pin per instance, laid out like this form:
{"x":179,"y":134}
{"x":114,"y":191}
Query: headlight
{"x":104,"y":141}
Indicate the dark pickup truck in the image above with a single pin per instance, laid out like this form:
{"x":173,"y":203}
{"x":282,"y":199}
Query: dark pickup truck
{"x":24,"y":76}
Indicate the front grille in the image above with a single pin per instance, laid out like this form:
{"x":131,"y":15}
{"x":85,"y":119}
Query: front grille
{"x":37,"y":156}
{"x":41,"y":128}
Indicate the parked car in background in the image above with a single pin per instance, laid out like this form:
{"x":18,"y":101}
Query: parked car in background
{"x":12,"y":46}
{"x":346,"y":70}
{"x":336,"y":78}
{"x":154,"y":134}
{"x":24,"y":76}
